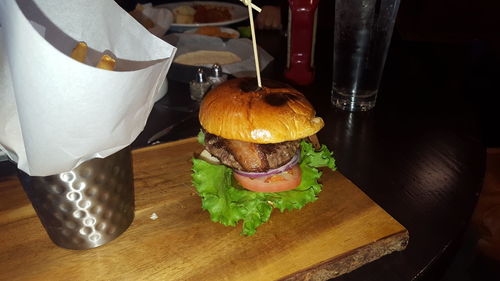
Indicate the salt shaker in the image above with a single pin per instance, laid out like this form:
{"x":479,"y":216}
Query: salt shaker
{"x":199,"y":86}
{"x":217,"y":77}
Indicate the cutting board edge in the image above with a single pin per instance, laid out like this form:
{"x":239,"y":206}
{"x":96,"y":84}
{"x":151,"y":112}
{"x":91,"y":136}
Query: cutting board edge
{"x":352,"y":260}
{"x":164,"y":145}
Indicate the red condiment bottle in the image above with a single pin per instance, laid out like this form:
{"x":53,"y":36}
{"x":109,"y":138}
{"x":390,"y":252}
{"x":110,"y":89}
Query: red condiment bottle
{"x":301,"y":39}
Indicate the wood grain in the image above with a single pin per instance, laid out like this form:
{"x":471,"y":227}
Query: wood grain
{"x":341,"y":231}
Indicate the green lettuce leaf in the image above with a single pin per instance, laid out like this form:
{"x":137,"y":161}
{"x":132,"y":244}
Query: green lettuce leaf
{"x":228,"y":203}
{"x":201,"y":137}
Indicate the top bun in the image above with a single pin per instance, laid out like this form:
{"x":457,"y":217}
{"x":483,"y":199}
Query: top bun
{"x":239,"y":110}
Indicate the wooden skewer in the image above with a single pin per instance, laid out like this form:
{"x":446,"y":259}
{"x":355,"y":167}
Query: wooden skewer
{"x":250,"y":5}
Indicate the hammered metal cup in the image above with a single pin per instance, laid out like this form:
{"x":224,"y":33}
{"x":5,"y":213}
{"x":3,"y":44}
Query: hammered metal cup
{"x":88,"y":206}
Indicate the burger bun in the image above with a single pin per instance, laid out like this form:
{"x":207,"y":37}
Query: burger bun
{"x":239,"y":110}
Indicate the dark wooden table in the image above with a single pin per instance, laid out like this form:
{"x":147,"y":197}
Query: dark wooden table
{"x":419,"y":154}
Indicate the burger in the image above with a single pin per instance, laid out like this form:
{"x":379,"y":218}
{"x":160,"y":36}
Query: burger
{"x":259,"y":152}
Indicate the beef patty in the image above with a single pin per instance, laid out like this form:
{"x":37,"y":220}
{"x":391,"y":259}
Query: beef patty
{"x":250,"y":157}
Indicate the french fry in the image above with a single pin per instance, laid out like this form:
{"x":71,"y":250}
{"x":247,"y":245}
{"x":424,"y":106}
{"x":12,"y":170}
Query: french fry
{"x":106,"y":62}
{"x":79,"y":53}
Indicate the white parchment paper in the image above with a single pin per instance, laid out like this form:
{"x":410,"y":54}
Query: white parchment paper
{"x":56,"y":112}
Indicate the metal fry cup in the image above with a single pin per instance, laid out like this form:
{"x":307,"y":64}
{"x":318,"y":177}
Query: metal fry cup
{"x":88,"y":206}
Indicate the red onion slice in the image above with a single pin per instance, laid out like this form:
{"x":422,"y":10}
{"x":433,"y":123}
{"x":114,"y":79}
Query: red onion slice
{"x":288,"y":165}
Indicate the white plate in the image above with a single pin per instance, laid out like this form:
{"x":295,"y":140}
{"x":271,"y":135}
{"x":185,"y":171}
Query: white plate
{"x":238,"y":13}
{"x":222,"y":29}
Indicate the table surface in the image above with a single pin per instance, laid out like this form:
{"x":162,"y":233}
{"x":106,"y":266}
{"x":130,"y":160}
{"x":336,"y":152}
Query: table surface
{"x":419,"y":154}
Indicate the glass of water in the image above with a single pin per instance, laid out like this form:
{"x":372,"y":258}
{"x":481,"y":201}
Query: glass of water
{"x":363,"y":31}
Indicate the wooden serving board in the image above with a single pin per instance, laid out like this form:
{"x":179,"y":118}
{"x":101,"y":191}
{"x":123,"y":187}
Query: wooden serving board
{"x":339,"y":232}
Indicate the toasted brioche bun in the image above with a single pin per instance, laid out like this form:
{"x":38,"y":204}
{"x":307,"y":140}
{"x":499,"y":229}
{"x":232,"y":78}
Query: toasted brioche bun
{"x":275,"y":113}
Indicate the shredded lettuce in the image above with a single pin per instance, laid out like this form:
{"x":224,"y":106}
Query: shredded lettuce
{"x":228,"y":203}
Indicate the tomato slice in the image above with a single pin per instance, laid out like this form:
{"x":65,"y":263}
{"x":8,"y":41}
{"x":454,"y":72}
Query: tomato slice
{"x":286,"y":180}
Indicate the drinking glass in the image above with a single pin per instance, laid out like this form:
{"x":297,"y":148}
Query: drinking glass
{"x":362,"y":35}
